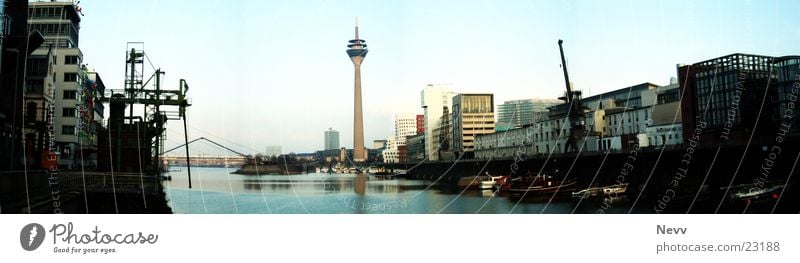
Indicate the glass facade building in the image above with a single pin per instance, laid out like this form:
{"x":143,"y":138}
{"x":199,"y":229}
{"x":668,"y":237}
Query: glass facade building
{"x":736,"y":95}
{"x":518,"y":113}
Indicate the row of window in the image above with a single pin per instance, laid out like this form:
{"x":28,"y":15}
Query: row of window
{"x":46,"y":12}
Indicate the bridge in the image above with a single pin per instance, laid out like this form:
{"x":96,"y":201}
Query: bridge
{"x":206,"y":161}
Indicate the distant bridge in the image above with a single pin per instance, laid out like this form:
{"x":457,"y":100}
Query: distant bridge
{"x":206,"y":161}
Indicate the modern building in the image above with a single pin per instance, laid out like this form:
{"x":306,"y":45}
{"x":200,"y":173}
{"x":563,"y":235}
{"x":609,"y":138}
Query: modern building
{"x":473,"y":115}
{"x":416,"y":148}
{"x":420,"y":124}
{"x":75,"y":93}
{"x":391,"y":154}
{"x":666,"y":124}
{"x":357,"y":51}
{"x":724,"y":96}
{"x":787,"y":83}
{"x":518,"y":113}
{"x":331,"y":139}
{"x":436,"y":102}
{"x":404,"y":125}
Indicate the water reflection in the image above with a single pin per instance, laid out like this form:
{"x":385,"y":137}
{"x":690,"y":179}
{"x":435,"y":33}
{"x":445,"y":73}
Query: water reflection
{"x":217,"y":191}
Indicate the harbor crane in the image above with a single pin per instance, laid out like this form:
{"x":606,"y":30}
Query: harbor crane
{"x":575,"y":112}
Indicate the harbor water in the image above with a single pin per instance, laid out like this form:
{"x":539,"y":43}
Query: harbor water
{"x":217,"y":191}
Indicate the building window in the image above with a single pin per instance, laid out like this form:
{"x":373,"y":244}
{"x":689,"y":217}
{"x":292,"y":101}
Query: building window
{"x":68,"y":112}
{"x":70,"y":77}
{"x":70,"y":94}
{"x":71,"y":60}
{"x":68,"y":130}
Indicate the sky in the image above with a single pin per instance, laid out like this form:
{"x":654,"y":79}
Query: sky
{"x":276,"y":72}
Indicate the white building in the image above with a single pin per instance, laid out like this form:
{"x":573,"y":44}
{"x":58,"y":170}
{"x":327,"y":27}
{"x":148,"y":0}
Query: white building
{"x":74,"y":121}
{"x":405,"y":125}
{"x":436,"y":99}
{"x":390,"y":154}
{"x":647,"y":115}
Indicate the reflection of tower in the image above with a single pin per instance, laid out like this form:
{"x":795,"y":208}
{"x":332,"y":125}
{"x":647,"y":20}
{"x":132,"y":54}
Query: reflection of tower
{"x":357,"y":50}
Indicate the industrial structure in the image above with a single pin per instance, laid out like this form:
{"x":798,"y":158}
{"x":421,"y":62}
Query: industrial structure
{"x":140,"y":130}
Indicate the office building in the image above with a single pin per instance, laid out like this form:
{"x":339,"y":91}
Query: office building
{"x":725,"y":96}
{"x":437,"y":101}
{"x":518,"y":113}
{"x":404,"y":125}
{"x":420,"y":124}
{"x":74,"y":121}
{"x":473,"y":115}
{"x":331,"y":139}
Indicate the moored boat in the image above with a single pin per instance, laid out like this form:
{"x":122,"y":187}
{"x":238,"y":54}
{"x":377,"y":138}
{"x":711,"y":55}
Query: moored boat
{"x":601,"y":191}
{"x":541,"y":184}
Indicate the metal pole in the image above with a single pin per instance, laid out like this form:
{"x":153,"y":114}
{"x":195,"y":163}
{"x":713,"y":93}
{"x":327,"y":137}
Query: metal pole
{"x":188,"y":161}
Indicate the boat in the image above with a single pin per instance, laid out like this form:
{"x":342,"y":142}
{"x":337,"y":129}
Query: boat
{"x":602,"y":191}
{"x":477,"y":182}
{"x":540,"y":184}
{"x":756,"y":193}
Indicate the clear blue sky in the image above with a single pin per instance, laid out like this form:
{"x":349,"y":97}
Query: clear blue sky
{"x":276,"y":73}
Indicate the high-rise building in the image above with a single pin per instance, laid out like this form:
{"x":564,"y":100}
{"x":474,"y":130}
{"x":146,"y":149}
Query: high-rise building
{"x":331,"y":139}
{"x":420,"y":124}
{"x":473,"y":114}
{"x":405,"y":125}
{"x":357,"y":50}
{"x":75,"y":92}
{"x":518,"y":113}
{"x":436,"y":102}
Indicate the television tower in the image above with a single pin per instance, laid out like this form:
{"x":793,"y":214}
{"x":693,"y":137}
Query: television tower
{"x":357,"y":50}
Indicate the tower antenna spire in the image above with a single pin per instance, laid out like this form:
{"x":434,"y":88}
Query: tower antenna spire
{"x":357,"y":27}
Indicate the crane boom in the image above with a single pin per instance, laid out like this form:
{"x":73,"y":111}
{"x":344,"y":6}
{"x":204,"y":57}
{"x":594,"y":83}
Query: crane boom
{"x":575,"y":113}
{"x":568,"y":96}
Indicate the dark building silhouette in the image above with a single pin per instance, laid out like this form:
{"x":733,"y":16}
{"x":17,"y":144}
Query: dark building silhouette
{"x":16,"y":45}
{"x":734,"y":97}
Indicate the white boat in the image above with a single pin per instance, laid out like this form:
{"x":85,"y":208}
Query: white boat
{"x":602,"y":190}
{"x":478,"y":182}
